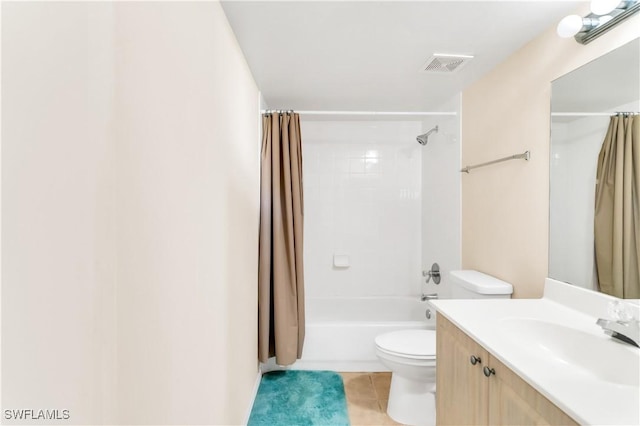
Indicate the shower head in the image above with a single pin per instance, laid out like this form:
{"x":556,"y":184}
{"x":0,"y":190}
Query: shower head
{"x":422,"y":139}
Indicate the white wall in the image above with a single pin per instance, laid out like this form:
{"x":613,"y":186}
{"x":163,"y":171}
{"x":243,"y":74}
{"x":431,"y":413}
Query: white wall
{"x":362,"y":198}
{"x":441,"y":197}
{"x":574,"y":153}
{"x":130,"y":194}
{"x":58,"y":186}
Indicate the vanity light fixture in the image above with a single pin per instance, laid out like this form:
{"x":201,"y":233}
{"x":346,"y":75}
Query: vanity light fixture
{"x":605,"y":14}
{"x":603,"y":7}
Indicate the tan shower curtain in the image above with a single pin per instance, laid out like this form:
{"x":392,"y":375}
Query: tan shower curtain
{"x":617,"y":209}
{"x":280,"y":271}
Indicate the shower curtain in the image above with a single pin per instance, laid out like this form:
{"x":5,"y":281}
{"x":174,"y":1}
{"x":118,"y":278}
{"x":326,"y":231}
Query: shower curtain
{"x":617,"y":209}
{"x":281,"y":318}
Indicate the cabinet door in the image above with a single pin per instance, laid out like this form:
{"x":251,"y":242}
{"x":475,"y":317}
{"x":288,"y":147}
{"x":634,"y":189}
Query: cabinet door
{"x":461,"y":388}
{"x":514,"y":402}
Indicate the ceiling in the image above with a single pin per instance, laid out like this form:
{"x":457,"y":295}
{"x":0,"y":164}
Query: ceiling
{"x":367,"y":55}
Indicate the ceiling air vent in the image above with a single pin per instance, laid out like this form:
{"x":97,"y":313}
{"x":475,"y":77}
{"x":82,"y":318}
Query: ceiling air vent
{"x":441,"y":63}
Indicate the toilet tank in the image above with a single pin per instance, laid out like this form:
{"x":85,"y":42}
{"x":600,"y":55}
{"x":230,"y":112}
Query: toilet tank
{"x":470,"y":284}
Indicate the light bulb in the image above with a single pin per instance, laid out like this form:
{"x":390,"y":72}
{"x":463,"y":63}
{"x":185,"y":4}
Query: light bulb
{"x":603,"y":7}
{"x":569,"y":26}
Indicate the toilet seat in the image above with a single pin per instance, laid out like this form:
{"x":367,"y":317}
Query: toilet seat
{"x":412,"y":344}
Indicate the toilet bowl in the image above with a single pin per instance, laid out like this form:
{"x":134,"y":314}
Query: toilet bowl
{"x":411,"y":356}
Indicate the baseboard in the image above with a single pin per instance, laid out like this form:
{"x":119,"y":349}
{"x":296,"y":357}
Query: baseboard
{"x":340,"y":366}
{"x":256,"y":385}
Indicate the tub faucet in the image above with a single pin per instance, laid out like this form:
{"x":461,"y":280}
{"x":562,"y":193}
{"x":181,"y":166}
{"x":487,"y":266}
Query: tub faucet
{"x":623,"y":326}
{"x":430,"y":296}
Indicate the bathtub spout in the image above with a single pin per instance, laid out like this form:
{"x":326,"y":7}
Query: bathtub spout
{"x":431,"y":296}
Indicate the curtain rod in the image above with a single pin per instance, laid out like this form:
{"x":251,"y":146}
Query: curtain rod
{"x":588,"y":114}
{"x":408,"y":113}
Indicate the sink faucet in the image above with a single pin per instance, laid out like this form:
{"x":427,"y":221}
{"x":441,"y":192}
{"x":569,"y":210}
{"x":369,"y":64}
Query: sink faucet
{"x":624,"y":326}
{"x":626,"y":331}
{"x":431,"y":296}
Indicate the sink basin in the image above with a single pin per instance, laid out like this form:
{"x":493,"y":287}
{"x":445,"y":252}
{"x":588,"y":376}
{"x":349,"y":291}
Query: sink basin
{"x":570,"y":348}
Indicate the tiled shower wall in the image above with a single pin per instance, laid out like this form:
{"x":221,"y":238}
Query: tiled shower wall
{"x":441,"y":200}
{"x":362,"y":196}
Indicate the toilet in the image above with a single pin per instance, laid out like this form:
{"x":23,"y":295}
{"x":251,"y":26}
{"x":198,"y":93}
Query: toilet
{"x":411,"y":354}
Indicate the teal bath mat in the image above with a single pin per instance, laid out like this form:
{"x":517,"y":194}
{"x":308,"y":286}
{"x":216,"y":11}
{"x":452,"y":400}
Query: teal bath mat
{"x":296,"y":398}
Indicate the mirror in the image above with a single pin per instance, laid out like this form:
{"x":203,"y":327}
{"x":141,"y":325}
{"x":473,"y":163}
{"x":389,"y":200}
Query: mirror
{"x":582,"y":103}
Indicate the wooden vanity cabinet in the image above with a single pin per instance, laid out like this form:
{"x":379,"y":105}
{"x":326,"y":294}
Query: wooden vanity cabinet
{"x":461,"y":388}
{"x":466,"y":396}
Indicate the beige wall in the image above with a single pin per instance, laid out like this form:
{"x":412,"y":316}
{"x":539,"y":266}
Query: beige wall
{"x":505,"y":206}
{"x":58,"y":240}
{"x":188,"y":208}
{"x":130,"y":193}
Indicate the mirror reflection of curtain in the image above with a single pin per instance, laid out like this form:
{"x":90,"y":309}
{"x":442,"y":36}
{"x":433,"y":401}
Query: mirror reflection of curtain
{"x":281,"y":319}
{"x":617,"y":209}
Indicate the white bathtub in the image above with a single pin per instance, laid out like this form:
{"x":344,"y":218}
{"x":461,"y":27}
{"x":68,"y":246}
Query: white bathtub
{"x":340,"y":332}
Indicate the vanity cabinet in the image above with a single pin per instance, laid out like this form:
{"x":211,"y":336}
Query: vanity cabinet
{"x":461,"y":388}
{"x":467,"y":396}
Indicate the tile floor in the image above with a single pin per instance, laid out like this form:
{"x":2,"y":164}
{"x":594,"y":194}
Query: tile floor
{"x":367,"y":396}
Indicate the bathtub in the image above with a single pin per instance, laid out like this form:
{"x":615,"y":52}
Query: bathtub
{"x":340,"y":332}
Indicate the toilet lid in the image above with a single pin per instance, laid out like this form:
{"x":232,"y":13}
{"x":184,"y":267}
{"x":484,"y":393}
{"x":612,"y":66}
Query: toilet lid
{"x":413,"y":343}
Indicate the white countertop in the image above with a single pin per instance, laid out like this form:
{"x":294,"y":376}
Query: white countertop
{"x":587,"y":398}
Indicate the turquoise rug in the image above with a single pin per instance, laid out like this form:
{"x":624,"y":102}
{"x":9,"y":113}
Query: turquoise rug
{"x":295,"y":398}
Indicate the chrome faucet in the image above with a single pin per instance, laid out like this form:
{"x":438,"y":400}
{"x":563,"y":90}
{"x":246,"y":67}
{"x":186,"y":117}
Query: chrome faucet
{"x":626,"y":331}
{"x":430,"y":296}
{"x":623,"y":326}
